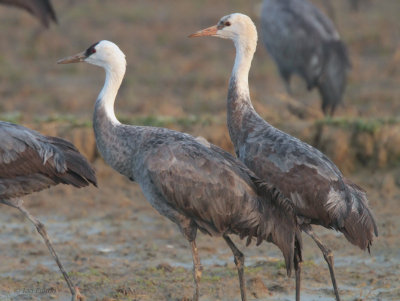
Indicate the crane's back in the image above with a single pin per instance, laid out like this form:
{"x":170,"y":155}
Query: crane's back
{"x":31,"y":162}
{"x":316,"y":187}
{"x":185,"y":179}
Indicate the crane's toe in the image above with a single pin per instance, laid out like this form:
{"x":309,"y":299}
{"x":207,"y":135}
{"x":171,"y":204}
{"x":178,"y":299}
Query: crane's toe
{"x":78,"y":296}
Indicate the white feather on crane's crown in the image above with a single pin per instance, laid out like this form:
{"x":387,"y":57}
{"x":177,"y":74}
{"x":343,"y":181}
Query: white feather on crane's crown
{"x":237,"y":26}
{"x":104,"y":53}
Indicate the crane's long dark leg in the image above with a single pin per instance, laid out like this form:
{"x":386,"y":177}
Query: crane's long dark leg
{"x":42,"y":231}
{"x":298,"y":282}
{"x":239,"y":262}
{"x":297,"y":267}
{"x":189,"y":230}
{"x":197,"y":270}
{"x":328,"y":255}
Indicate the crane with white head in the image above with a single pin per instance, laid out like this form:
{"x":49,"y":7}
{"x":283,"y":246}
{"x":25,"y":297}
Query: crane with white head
{"x":194,"y":184}
{"x":318,"y":191}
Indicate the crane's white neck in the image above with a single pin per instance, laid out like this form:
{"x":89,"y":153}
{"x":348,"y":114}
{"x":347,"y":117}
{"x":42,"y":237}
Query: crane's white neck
{"x":245,"y":49}
{"x":238,"y":101}
{"x":105,"y":101}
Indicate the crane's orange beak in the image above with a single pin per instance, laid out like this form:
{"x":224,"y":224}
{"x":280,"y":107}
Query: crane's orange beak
{"x":77,"y":58}
{"x":210,"y":31}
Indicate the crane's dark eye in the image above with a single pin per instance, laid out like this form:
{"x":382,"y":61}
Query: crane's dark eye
{"x":227,"y":23}
{"x":91,"y":49}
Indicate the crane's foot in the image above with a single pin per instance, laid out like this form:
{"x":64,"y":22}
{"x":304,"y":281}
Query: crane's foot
{"x":77,"y":296}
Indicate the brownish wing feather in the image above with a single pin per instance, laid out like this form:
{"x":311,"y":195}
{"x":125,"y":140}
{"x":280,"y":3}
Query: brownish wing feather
{"x":222,"y":195}
{"x":31,"y":162}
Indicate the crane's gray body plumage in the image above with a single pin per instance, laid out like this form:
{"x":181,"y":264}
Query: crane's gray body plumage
{"x":41,"y":9}
{"x":196,"y":186}
{"x":317,"y":189}
{"x":303,"y":41}
{"x":31,"y":162}
{"x":190,"y":181}
{"x":313,"y":185}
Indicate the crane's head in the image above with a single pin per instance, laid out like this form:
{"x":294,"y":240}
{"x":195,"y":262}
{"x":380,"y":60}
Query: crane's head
{"x":237,"y":27}
{"x":105,"y":54}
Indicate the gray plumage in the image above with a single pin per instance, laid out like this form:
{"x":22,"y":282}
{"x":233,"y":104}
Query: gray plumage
{"x":191,"y":182}
{"x":31,"y":162}
{"x":196,"y":186}
{"x":319,"y":192}
{"x":314,"y":186}
{"x":303,"y":41}
{"x":41,"y":9}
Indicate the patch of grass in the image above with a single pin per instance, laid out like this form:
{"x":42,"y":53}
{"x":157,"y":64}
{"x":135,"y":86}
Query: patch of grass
{"x":87,"y":274}
{"x":146,"y":284}
{"x":211,"y":278}
{"x":14,"y":117}
{"x":165,"y":121}
{"x":308,"y":263}
{"x":280,"y":265}
{"x":255,"y":269}
{"x":71,"y":119}
{"x":358,"y":124}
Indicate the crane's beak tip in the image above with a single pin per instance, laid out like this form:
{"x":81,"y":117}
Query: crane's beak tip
{"x":210,"y":31}
{"x":61,"y":61}
{"x":80,"y":57}
{"x":193,"y":35}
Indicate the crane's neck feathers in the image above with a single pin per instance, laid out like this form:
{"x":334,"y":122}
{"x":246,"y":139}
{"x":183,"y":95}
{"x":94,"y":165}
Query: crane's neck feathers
{"x":238,"y":101}
{"x":106,"y":126}
{"x":244,"y":55}
{"x":245,"y":40}
{"x":244,"y":37}
{"x":115,"y":71}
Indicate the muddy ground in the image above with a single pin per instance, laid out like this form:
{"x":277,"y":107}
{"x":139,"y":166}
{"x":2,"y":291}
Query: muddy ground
{"x":117,"y":247}
{"x":113,"y":244}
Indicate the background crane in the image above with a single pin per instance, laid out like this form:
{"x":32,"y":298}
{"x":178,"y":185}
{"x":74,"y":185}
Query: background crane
{"x":41,"y":9}
{"x":303,"y":41}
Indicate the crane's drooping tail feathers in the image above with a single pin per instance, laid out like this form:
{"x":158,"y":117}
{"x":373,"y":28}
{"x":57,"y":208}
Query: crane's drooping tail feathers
{"x":281,"y":224}
{"x":359,"y":226}
{"x":332,"y":82}
{"x":79,"y":173}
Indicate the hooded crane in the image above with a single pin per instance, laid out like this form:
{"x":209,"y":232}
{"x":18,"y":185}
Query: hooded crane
{"x":317,"y":189}
{"x":303,"y":41}
{"x":190,"y":181}
{"x":41,"y":9}
{"x":31,"y":162}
